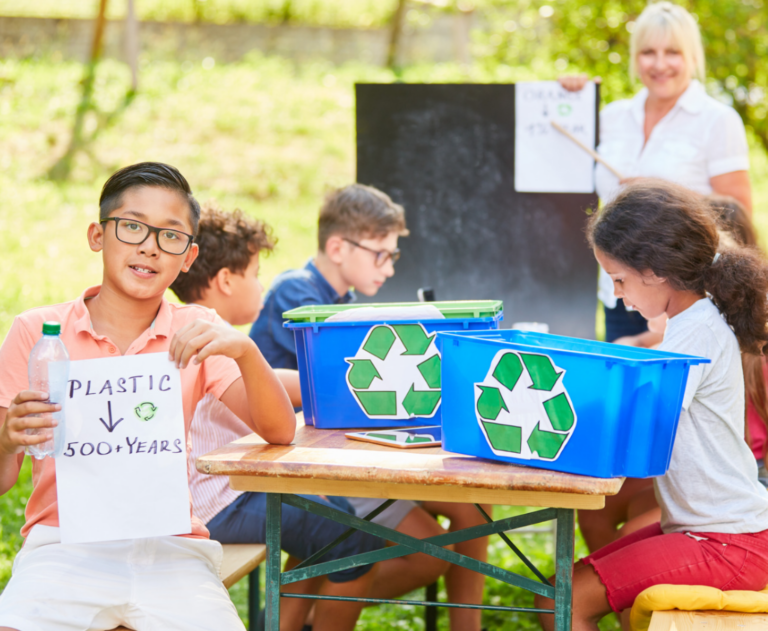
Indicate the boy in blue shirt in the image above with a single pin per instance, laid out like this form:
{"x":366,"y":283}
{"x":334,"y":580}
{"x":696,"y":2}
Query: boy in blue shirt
{"x":358,"y":230}
{"x":357,"y":234}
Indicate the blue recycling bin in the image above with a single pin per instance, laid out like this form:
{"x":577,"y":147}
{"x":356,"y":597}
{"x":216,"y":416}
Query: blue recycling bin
{"x":377,"y":373}
{"x":561,"y":403}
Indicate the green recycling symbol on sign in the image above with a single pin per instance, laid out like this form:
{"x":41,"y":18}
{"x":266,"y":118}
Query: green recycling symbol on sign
{"x":395,"y":373}
{"x":523,"y":409}
{"x":145,"y":411}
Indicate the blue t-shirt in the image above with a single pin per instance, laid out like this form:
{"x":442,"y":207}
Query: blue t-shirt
{"x":291,"y":289}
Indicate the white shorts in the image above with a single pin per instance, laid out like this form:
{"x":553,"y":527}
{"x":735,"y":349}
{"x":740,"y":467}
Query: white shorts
{"x":154,"y":584}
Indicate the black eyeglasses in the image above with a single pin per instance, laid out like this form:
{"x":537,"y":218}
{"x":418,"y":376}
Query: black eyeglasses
{"x":136,"y":232}
{"x":382,"y":256}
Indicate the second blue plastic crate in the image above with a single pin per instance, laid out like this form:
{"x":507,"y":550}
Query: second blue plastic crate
{"x":561,"y":403}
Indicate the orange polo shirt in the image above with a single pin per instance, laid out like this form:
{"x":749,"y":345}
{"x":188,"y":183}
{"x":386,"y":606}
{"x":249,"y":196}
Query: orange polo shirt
{"x":213,"y":377}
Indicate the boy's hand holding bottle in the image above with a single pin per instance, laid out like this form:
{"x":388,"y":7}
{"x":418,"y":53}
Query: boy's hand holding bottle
{"x":35,"y":413}
{"x":29,"y":410}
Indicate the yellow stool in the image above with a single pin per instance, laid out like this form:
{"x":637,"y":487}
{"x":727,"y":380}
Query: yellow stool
{"x":698,"y":608}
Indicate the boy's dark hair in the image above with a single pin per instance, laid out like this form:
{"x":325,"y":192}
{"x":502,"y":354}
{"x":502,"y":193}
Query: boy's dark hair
{"x":146,"y":174}
{"x":225,"y":240}
{"x":359,"y":211}
{"x":671,"y":231}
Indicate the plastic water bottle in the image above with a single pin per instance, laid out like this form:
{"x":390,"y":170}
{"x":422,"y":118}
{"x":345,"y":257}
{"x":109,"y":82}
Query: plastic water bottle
{"x":48,"y":372}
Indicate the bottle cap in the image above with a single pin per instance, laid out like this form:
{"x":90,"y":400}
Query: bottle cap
{"x":51,"y":328}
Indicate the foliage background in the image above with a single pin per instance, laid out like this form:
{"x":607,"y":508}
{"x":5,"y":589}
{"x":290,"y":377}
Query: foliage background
{"x":271,"y":136}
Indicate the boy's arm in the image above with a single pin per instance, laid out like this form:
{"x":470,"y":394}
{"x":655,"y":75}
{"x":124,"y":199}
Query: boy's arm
{"x":290,"y":380}
{"x":259,"y":398}
{"x":14,"y":421}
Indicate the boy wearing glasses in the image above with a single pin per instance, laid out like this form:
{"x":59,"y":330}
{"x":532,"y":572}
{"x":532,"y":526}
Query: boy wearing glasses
{"x":358,"y":230}
{"x":148,"y":219}
{"x":357,"y":233}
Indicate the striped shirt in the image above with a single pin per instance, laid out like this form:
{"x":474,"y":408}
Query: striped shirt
{"x":213,"y":426}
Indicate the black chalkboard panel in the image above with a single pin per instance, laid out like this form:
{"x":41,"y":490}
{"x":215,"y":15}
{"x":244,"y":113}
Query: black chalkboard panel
{"x":446,"y":152}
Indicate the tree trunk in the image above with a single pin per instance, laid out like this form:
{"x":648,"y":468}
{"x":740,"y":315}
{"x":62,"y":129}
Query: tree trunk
{"x":395,"y":36}
{"x":132,"y":44}
{"x":61,"y":170}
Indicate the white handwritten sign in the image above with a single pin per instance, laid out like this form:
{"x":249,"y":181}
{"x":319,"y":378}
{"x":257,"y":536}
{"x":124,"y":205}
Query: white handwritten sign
{"x":123,"y":470}
{"x":545,"y":160}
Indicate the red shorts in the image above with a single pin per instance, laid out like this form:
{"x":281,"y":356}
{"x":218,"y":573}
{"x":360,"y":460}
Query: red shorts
{"x":649,"y":557}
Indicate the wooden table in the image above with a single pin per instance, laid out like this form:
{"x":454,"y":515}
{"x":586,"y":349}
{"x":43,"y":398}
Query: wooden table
{"x":325,"y":462}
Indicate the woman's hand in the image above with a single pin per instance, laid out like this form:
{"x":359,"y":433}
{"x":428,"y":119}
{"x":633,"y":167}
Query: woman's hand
{"x":18,"y":419}
{"x":575,"y":82}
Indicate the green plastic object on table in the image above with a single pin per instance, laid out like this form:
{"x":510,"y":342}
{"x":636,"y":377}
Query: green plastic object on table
{"x":450,"y":309}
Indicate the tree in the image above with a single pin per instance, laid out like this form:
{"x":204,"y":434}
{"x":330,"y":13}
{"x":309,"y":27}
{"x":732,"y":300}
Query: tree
{"x":594,"y":38}
{"x":62,"y":168}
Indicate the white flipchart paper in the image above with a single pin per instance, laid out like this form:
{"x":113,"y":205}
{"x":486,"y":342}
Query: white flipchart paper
{"x":123,"y":470}
{"x":546,"y":161}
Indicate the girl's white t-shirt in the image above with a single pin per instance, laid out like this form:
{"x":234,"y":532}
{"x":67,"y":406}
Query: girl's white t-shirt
{"x":698,"y":139}
{"x":711,"y":485}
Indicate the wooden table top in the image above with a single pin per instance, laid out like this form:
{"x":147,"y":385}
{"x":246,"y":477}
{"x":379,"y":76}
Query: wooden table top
{"x":327,"y":462}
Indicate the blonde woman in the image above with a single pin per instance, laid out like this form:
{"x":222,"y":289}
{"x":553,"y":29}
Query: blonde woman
{"x":671,"y":129}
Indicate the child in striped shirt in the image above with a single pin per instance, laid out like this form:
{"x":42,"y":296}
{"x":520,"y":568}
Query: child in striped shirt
{"x":225,"y":278}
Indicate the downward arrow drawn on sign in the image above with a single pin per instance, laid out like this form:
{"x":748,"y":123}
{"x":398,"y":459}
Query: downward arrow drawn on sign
{"x":110,"y":426}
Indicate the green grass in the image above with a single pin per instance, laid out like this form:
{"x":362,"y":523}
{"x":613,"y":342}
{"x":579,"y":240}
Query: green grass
{"x":264,"y":135}
{"x":539,"y":547}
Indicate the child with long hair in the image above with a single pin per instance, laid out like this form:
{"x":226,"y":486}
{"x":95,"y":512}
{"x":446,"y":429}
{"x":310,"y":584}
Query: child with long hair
{"x":736,"y":221}
{"x":635,"y":506}
{"x":661,"y":246}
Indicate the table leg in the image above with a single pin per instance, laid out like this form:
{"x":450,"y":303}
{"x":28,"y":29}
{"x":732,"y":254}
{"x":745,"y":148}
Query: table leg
{"x":274,"y":520}
{"x":430,"y":615}
{"x":254,"y":598}
{"x":564,"y":569}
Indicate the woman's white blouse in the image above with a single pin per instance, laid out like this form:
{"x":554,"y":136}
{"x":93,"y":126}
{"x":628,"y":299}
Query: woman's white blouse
{"x":698,"y":139}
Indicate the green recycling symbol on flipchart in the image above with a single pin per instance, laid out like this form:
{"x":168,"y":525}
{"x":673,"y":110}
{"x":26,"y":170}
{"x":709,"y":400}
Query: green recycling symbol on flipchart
{"x":395,"y":373}
{"x":523,"y":408}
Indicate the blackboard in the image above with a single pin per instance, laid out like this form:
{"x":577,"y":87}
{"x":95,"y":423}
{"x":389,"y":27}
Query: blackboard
{"x":446,"y":152}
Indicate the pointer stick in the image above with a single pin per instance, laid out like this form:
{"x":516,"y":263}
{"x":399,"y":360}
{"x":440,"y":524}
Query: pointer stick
{"x":594,"y":154}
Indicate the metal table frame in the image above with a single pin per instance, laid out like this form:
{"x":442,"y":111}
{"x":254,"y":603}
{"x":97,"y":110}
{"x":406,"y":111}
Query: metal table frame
{"x":561,"y":592}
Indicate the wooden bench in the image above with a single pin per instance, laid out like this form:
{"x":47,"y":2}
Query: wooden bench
{"x":708,"y":621}
{"x":241,"y":559}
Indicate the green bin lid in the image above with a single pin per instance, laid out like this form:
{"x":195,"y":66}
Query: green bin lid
{"x":455,"y":309}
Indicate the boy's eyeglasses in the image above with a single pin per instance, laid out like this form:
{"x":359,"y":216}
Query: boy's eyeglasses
{"x":136,"y":232}
{"x":382,"y":256}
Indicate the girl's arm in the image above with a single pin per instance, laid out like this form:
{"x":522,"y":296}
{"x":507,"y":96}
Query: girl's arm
{"x":290,"y":381}
{"x":646,"y":339}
